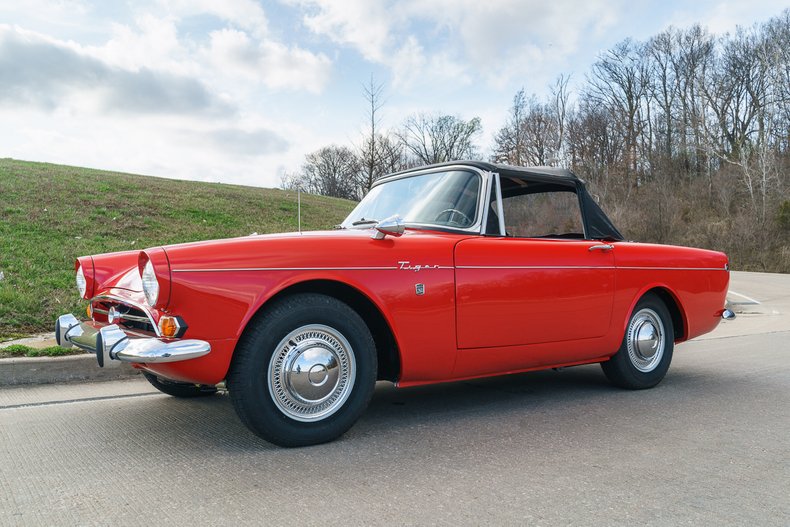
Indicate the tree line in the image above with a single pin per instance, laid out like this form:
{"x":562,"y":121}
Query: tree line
{"x":349,"y":171}
{"x":684,"y":138}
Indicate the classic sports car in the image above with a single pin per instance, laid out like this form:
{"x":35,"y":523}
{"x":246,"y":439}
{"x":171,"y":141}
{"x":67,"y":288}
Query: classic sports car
{"x":441,"y":273}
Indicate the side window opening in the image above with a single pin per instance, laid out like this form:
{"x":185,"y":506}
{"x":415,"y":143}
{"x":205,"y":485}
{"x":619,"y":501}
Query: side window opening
{"x":541,"y":210}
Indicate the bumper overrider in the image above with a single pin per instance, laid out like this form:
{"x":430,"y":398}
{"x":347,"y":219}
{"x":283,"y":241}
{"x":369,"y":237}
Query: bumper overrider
{"x":112,"y":345}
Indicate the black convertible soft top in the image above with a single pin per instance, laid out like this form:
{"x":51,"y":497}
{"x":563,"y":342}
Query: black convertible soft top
{"x":597,"y":225}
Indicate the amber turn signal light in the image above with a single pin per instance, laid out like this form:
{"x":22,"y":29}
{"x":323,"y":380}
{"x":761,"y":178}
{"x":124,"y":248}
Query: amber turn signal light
{"x":172,"y":327}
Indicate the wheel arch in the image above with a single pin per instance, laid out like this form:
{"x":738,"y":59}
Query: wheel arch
{"x":387,"y":351}
{"x":673,"y":305}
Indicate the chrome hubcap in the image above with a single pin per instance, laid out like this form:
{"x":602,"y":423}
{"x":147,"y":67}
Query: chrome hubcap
{"x":645,"y":340}
{"x":311,"y":372}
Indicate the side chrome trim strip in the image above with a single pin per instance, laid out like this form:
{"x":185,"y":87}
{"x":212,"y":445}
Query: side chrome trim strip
{"x":673,"y":268}
{"x":219,"y":270}
{"x":252,"y":269}
{"x":535,"y":267}
{"x":589,"y":267}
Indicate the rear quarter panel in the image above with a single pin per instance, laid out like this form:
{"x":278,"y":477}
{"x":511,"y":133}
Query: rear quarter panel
{"x":696,"y":278}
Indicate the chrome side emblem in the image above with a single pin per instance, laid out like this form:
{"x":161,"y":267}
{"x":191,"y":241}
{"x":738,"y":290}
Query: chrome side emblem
{"x":419,"y":289}
{"x":406,"y":265}
{"x":113,"y":315}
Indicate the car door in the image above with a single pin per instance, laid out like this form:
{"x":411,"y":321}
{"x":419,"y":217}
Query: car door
{"x":512,"y":291}
{"x":542,"y":282}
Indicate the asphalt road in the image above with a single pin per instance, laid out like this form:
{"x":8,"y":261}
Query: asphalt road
{"x":708,"y":446}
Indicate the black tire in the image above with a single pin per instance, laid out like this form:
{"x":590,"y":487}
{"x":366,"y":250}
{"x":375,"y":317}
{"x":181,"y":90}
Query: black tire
{"x":179,"y":389}
{"x":642,"y":362}
{"x":293,"y":398}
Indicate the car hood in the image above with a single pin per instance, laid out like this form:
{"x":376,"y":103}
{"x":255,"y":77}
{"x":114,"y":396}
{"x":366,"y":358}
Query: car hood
{"x":345,"y":248}
{"x":118,"y":274}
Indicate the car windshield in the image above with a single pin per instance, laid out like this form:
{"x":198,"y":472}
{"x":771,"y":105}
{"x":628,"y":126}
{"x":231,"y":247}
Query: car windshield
{"x":446,"y":199}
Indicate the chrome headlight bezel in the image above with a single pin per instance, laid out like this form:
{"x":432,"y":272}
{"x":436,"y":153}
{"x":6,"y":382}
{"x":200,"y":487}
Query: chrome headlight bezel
{"x":150,"y":284}
{"x":82,"y":284}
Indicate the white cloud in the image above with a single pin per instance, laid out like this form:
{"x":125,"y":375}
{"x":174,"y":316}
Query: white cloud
{"x":48,"y":73}
{"x":275,"y":65}
{"x":496,"y":39}
{"x":151,"y":43}
{"x":407,"y":62}
{"x":246,"y":14}
{"x":109,"y":107}
{"x":721,"y":17}
{"x":363,"y":24}
{"x":161,"y":146}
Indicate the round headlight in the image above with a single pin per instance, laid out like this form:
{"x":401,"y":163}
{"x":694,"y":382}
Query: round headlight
{"x":82,"y":284}
{"x":150,"y":284}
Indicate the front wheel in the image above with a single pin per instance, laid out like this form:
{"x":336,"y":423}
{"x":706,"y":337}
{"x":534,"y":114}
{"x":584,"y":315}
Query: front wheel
{"x":304,"y":371}
{"x":646,"y":351}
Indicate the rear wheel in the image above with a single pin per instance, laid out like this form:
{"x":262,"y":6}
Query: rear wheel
{"x":646,"y":351}
{"x":304,"y":371}
{"x":179,"y":389}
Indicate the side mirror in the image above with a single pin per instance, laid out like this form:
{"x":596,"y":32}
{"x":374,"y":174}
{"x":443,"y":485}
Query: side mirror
{"x":393,"y":226}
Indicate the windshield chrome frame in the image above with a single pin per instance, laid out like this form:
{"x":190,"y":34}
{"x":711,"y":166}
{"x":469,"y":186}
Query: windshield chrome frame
{"x":485,"y":188}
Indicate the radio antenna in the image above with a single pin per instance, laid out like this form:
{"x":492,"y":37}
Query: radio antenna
{"x":299,"y":209}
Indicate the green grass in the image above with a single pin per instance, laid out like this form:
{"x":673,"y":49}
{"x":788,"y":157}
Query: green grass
{"x":51,"y":214}
{"x":18,"y":350}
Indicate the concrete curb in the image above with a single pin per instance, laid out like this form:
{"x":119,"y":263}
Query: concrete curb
{"x":51,"y":370}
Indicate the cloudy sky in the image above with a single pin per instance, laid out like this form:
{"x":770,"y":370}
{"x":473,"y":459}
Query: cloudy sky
{"x":239,"y":91}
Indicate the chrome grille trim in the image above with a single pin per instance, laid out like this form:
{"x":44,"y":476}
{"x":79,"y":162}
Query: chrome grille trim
{"x":126,"y":316}
{"x":146,"y":317}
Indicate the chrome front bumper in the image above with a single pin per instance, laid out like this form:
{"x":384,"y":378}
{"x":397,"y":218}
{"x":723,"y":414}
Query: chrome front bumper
{"x":112,"y":345}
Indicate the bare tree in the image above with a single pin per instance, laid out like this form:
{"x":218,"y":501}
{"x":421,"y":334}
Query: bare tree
{"x":439,"y":138}
{"x":332,"y":171}
{"x":370,"y":152}
{"x":559,"y":108}
{"x":694,"y":51}
{"x":292,"y":181}
{"x":534,"y":132}
{"x":391,"y":155}
{"x":510,"y":141}
{"x":661,"y":86}
{"x":595,"y":146}
{"x":618,"y":82}
{"x":541,"y":133}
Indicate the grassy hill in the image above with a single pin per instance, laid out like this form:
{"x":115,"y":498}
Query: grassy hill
{"x":50,"y":214}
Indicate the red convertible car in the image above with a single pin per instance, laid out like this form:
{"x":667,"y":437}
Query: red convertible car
{"x":441,"y":273}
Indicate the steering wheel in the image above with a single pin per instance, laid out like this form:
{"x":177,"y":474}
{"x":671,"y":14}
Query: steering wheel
{"x":450,"y":214}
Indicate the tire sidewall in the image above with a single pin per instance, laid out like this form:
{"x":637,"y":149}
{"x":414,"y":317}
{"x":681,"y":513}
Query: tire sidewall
{"x":251,"y":383}
{"x":621,"y":370}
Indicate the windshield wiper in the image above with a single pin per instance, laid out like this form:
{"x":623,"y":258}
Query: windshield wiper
{"x":363,"y":221}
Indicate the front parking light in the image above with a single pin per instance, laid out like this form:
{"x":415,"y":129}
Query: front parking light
{"x":172,"y":327}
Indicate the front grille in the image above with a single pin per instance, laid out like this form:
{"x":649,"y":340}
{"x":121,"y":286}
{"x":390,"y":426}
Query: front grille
{"x":131,"y":317}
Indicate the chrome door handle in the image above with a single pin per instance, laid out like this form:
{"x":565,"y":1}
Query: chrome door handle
{"x":601,"y":247}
